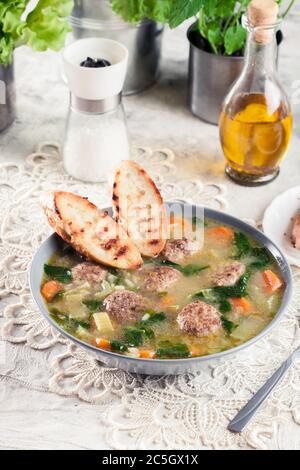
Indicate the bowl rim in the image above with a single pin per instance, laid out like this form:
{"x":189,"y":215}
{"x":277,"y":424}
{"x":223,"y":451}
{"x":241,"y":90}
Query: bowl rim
{"x":214,"y":214}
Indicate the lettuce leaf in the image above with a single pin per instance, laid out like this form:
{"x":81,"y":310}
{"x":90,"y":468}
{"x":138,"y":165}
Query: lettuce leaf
{"x":45,"y":26}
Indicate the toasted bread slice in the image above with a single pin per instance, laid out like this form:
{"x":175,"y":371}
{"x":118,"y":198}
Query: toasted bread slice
{"x":139,"y":208}
{"x":92,"y":232}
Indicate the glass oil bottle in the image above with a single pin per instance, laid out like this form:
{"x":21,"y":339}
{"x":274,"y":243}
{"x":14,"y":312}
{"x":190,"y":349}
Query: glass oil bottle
{"x":256,"y":121}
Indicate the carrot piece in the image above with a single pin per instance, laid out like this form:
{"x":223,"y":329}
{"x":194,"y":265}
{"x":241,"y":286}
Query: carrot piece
{"x":178,"y":226}
{"x":224,"y":234}
{"x":167,"y":300}
{"x":50,"y":289}
{"x":272,"y":281}
{"x":144,"y":354}
{"x":242,"y":302}
{"x":102,"y":343}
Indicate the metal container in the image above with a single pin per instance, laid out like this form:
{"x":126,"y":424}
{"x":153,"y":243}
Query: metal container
{"x":92,"y":18}
{"x":7,"y":96}
{"x":210,"y":77}
{"x":164,"y":366}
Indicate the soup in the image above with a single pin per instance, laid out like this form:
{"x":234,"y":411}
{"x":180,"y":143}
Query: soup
{"x":187,"y":302}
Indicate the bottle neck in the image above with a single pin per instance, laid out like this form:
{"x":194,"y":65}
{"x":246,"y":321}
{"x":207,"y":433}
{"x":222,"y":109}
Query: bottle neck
{"x":261,"y":57}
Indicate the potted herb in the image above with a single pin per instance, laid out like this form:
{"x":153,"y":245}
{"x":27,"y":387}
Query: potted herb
{"x":40,"y":25}
{"x":217,"y":40}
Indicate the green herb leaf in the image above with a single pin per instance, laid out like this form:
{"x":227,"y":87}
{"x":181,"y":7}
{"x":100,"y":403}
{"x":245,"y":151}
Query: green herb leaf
{"x":155,"y":318}
{"x":166,"y":349}
{"x":61,"y":274}
{"x":263,"y":258}
{"x":234,"y":39}
{"x":93,"y":304}
{"x":238,"y":290}
{"x":69,"y":324}
{"x":228,"y":325}
{"x":187,"y":270}
{"x":118,"y":346}
{"x":225,"y":306}
{"x":242,"y":244}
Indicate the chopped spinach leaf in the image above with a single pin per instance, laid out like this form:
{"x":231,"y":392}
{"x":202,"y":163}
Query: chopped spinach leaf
{"x":60,"y":273}
{"x":225,"y":306}
{"x":133,"y":336}
{"x":228,"y":325}
{"x":155,"y":318}
{"x":262,"y":256}
{"x":242,"y":244}
{"x":118,"y":346}
{"x":66,"y":322}
{"x":238,"y":290}
{"x":169,"y":350}
{"x":93,"y":304}
{"x":187,"y":270}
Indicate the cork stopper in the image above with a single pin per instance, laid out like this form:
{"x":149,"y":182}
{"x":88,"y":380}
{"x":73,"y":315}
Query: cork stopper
{"x":262,"y":13}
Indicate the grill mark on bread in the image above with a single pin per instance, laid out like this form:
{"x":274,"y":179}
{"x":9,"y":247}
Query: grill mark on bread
{"x":81,"y":224}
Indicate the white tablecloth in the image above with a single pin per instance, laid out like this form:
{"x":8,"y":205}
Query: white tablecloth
{"x":55,"y":397}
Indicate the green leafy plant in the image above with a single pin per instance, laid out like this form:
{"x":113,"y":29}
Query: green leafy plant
{"x":41,"y":27}
{"x":218,"y":22}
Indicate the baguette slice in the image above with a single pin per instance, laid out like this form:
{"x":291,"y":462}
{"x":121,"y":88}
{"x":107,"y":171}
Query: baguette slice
{"x":139,"y":208}
{"x":90,"y":231}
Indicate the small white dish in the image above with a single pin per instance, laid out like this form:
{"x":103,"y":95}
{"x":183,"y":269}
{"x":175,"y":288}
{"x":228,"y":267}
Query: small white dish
{"x":278,"y":222}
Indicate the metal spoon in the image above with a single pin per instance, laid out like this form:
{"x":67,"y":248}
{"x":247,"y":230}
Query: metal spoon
{"x":248,"y":411}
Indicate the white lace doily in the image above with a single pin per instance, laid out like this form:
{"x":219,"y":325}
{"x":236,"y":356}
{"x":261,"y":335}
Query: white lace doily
{"x":190,"y":411}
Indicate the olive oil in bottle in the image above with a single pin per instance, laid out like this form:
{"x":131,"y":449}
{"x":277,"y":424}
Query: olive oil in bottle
{"x":256,"y":121}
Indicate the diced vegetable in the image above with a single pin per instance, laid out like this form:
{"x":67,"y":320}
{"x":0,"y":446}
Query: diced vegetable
{"x":84,"y":334}
{"x":167,"y":300}
{"x":102,"y":343}
{"x":169,"y":350}
{"x":75,"y":308}
{"x":50,"y":289}
{"x":59,"y":273}
{"x":221,"y":233}
{"x":107,"y":289}
{"x":103,"y":322}
{"x":93,"y":304}
{"x":272,"y":281}
{"x":242,"y":303}
{"x":145,"y":354}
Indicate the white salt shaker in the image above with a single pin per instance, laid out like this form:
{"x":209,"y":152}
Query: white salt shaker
{"x":96,"y":137}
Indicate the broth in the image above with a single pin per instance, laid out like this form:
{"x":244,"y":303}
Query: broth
{"x":245,"y":308}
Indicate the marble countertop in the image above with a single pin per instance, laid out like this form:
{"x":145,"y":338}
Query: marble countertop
{"x":157,"y":118}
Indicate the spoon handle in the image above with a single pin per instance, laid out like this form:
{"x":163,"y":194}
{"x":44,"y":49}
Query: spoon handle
{"x":248,"y":411}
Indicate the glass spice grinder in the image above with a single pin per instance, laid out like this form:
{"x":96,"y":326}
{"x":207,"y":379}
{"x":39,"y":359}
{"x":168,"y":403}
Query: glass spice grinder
{"x":256,"y":122}
{"x":96,"y":137}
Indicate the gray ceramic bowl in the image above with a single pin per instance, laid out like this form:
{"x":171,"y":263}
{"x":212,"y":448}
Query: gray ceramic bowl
{"x":162,"y":366}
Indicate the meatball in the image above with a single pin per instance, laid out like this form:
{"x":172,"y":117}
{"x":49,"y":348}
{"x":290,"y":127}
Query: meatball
{"x":161,"y":278}
{"x":88,"y":271}
{"x":125,"y":305}
{"x":199,"y":319}
{"x":228,"y":274}
{"x":176,"y":250}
